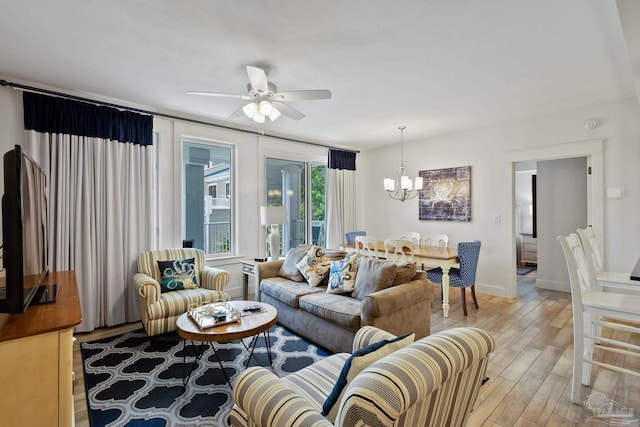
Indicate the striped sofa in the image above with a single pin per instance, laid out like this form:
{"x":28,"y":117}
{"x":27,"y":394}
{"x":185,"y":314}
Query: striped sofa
{"x":159,"y":311}
{"x":432,"y":382}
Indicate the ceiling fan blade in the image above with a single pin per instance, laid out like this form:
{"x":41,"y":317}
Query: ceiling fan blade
{"x":303,"y":95}
{"x":258,"y":79}
{"x":226,"y":95}
{"x":288,"y":111}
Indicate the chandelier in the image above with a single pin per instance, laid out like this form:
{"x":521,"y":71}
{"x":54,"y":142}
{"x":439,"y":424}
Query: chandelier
{"x":405,"y":188}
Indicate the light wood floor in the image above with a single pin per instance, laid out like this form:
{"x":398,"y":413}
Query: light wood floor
{"x":530,"y":370}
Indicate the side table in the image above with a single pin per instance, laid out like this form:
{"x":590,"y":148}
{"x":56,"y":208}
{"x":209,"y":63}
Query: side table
{"x":248,"y":267}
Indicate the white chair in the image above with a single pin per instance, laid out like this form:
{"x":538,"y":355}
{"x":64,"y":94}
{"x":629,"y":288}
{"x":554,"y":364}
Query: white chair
{"x":436,"y":240}
{"x":399,"y":250}
{"x":589,"y":308}
{"x":607,"y":280}
{"x":367,"y":246}
{"x":411,"y":235}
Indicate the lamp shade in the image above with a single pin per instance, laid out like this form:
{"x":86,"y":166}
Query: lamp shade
{"x":273,"y":215}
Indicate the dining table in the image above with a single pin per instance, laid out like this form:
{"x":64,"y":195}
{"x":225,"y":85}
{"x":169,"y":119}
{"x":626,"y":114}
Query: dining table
{"x":426,"y":257}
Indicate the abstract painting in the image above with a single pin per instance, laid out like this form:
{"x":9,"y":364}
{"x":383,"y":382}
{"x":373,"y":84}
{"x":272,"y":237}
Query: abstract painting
{"x":445,"y":194}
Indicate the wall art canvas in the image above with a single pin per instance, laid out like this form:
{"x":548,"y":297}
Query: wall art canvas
{"x":446,"y":194}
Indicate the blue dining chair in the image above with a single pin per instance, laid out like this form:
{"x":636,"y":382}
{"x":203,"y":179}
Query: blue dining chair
{"x":350,"y":237}
{"x":465,"y":276}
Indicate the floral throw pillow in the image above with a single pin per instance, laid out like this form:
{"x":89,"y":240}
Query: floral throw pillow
{"x":342,"y":276}
{"x":314,"y":266}
{"x":178,"y":274}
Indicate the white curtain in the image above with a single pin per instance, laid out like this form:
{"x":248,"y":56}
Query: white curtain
{"x":100,"y":218}
{"x":341,"y":197}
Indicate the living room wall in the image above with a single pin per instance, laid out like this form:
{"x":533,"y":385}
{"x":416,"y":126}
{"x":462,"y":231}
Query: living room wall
{"x":250,"y":150}
{"x":487,"y":151}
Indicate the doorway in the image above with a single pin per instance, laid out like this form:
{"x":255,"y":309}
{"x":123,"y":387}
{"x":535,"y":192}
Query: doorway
{"x":592,"y":150}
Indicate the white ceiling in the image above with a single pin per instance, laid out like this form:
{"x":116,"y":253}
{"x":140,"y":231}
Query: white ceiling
{"x":436,"y":66}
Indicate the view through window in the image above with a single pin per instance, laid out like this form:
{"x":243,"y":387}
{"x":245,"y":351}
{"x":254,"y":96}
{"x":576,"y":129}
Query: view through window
{"x":287,"y":182}
{"x":207,"y":197}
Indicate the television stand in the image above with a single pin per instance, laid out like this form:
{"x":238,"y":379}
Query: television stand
{"x":36,"y":353}
{"x":46,"y":293}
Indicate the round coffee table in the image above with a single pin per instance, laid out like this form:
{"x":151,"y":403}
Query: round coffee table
{"x":251,"y":324}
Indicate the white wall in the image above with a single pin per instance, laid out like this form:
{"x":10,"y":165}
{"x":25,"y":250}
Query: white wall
{"x":487,"y":150}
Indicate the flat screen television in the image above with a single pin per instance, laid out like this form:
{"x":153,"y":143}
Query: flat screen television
{"x":24,"y":234}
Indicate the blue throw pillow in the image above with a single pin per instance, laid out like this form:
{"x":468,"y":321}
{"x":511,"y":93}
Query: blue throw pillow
{"x":178,"y":274}
{"x":357,"y":363}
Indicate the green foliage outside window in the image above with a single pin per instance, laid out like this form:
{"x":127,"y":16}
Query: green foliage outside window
{"x":317,"y":192}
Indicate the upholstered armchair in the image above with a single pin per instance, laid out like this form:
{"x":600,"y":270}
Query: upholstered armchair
{"x":160,"y":310}
{"x":431,"y":382}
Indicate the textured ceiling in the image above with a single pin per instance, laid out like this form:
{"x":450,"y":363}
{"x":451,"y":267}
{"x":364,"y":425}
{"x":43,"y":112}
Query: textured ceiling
{"x":435,"y":66}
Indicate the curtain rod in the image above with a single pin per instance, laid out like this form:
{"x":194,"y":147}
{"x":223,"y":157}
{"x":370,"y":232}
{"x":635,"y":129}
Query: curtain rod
{"x":259,"y":132}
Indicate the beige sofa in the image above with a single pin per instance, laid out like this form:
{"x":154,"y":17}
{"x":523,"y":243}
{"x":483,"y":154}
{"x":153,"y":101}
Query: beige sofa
{"x":431,"y":382}
{"x":331,"y":320}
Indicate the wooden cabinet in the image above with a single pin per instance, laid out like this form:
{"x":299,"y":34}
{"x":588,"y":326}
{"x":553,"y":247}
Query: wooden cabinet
{"x":528,"y":249}
{"x":36,"y":359}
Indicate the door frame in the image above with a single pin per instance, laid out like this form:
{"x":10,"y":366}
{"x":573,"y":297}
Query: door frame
{"x":593,"y":151}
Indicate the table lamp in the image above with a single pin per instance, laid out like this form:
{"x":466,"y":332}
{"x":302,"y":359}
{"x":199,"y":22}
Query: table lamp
{"x":273,"y":216}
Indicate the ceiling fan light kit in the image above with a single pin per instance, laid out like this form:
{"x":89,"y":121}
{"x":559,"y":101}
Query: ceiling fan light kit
{"x":265,"y":99}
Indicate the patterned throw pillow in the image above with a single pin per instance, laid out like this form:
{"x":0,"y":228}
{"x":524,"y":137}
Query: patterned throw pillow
{"x":178,"y":274}
{"x":342,"y":276}
{"x":314,"y":266}
{"x":355,"y":364}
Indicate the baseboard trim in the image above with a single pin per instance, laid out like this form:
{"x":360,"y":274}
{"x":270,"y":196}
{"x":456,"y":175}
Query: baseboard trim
{"x":494,"y":290}
{"x":553,"y":285}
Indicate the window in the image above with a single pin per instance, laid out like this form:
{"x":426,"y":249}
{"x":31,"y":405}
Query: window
{"x":207,"y":212}
{"x":213,"y":190}
{"x":318,"y":206}
{"x":287,"y":184}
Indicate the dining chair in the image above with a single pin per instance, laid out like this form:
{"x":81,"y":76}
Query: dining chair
{"x":350,"y":236}
{"x":399,"y":250}
{"x":411,"y":235}
{"x":465,"y":276}
{"x":590,"y":307}
{"x":436,"y":240}
{"x":367,"y":246}
{"x":606,"y":280}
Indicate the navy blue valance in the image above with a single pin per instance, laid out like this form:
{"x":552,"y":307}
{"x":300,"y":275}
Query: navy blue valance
{"x":50,"y":114}
{"x":339,"y":159}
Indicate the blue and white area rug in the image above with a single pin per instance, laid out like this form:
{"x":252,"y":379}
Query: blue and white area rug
{"x":130,"y":383}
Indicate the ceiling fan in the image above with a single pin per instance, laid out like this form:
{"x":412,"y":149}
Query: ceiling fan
{"x":265,"y":99}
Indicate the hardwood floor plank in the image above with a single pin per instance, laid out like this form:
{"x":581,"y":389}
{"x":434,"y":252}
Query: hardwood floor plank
{"x":541,"y":406}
